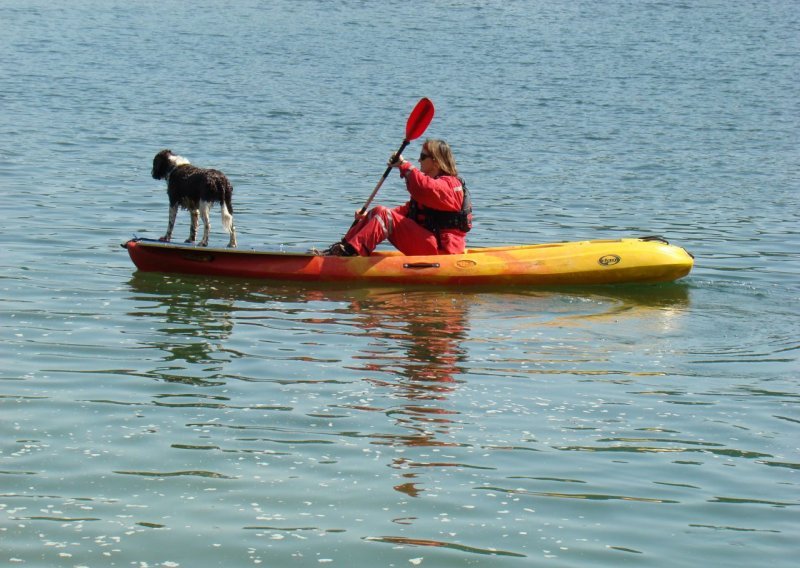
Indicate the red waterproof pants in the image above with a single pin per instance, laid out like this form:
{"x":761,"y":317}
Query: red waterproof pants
{"x":381,"y":223}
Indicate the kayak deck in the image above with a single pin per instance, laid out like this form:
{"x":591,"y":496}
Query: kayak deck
{"x":609,"y":261}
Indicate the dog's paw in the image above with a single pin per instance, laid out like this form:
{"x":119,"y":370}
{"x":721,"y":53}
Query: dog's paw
{"x":189,"y":241}
{"x":164,"y":239}
{"x":202,"y":244}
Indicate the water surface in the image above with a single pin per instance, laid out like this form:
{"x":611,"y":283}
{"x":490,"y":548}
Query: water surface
{"x":162,"y":420}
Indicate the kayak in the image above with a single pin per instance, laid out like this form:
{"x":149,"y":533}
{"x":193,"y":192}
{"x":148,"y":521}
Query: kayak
{"x":610,"y":261}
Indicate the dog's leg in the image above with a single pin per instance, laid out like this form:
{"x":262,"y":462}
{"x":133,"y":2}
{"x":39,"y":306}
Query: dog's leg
{"x":205,"y":207}
{"x":232,"y":243}
{"x":193,"y":230}
{"x":227,"y":223}
{"x":173,"y":212}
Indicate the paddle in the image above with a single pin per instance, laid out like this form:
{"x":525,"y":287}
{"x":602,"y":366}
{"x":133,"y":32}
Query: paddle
{"x":417,"y":122}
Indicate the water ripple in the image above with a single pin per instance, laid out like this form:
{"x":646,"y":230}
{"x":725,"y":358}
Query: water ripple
{"x":191,"y":473}
{"x":587,"y":496}
{"x":405,"y":541}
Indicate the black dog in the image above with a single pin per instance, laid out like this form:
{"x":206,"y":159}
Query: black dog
{"x":195,"y":189}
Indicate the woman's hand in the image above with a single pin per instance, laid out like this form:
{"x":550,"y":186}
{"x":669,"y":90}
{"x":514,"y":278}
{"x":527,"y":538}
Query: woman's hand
{"x":396,"y":160}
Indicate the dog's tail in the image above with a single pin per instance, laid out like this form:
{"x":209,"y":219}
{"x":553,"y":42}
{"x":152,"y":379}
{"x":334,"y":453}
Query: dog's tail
{"x":227,"y":217}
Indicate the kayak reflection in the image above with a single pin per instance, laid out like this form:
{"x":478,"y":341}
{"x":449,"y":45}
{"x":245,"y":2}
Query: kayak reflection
{"x":359,"y":355}
{"x":416,"y":341}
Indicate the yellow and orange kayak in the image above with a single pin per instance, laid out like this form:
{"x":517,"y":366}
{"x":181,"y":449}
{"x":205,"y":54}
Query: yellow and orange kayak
{"x":617,"y":261}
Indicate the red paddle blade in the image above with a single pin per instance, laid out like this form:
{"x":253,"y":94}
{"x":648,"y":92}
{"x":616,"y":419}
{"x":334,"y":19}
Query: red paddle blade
{"x":419,"y":120}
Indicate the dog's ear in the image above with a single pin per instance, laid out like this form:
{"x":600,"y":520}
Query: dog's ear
{"x":160,"y":164}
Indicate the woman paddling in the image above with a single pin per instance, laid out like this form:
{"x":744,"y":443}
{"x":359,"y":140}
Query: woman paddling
{"x":434,"y":221}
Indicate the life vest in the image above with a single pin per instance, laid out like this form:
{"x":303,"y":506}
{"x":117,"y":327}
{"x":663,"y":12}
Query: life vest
{"x":435,"y":219}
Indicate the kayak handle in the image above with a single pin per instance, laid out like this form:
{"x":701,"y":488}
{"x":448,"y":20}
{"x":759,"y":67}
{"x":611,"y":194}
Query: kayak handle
{"x":416,"y":265}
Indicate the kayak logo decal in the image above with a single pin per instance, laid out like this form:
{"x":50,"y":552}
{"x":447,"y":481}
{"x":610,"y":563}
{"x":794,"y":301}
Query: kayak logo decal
{"x":608,"y":260}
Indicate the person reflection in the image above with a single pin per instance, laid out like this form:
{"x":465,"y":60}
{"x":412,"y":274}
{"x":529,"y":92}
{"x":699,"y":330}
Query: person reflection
{"x":418,"y":342}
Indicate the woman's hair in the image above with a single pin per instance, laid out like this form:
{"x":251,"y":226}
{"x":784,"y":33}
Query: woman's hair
{"x":440,"y":150}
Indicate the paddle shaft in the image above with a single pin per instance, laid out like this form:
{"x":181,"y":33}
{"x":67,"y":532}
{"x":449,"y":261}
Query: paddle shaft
{"x":383,"y":179}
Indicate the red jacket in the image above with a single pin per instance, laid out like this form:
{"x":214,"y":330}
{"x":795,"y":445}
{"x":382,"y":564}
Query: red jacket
{"x":443,"y":193}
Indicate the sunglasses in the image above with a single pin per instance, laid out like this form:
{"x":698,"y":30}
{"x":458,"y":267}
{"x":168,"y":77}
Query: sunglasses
{"x":423,"y":156}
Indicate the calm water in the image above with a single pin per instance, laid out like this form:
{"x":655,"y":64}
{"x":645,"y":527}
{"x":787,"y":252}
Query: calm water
{"x":152,"y":420}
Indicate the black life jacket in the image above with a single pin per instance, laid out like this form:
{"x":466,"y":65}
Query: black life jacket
{"x":435,"y":219}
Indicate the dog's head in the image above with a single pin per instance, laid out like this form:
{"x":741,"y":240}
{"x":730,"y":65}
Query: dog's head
{"x":164,"y":162}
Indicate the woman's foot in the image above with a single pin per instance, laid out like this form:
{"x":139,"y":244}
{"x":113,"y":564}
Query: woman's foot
{"x":341,"y":248}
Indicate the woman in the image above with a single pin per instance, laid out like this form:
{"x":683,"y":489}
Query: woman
{"x":434,"y":221}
